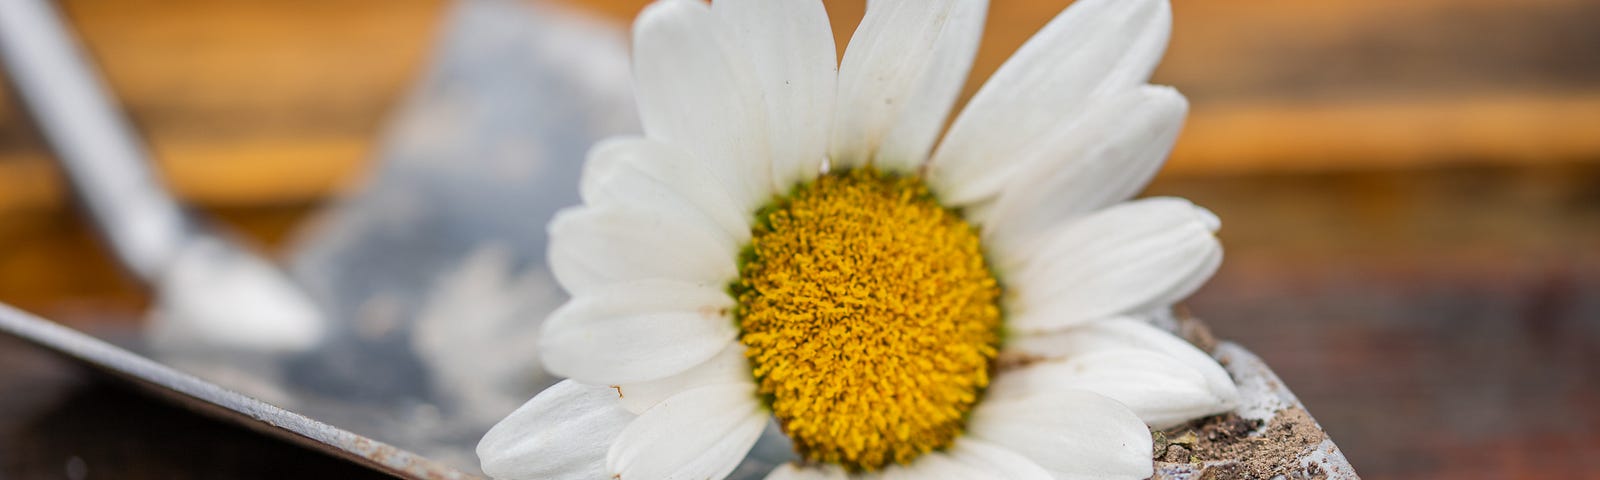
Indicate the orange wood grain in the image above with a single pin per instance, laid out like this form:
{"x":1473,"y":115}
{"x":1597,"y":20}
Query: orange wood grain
{"x":274,"y":102}
{"x":240,"y":102}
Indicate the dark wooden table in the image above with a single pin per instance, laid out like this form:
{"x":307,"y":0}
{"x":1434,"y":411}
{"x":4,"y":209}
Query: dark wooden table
{"x":61,"y":420}
{"x":1439,"y":323}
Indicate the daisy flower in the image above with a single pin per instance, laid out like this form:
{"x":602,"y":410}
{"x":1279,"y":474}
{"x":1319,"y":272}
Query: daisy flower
{"x":791,"y":240}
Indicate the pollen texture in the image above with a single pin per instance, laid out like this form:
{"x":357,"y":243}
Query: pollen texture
{"x":869,"y":317}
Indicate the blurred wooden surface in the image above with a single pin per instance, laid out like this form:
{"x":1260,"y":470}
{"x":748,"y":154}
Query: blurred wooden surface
{"x":251,"y":102}
{"x":241,"y":102}
{"x":1410,"y":192}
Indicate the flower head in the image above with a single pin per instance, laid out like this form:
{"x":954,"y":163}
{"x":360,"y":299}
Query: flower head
{"x":786,"y":243}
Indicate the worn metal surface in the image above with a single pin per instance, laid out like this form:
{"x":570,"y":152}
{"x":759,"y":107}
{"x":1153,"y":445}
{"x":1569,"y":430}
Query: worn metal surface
{"x":1263,"y":397}
{"x":208,"y":398}
{"x":436,"y":265}
{"x":432,"y":274}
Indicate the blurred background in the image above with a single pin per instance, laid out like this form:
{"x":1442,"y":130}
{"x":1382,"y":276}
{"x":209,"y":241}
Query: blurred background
{"x":1410,"y":194}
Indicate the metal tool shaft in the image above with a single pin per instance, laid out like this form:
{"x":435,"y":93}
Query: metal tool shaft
{"x":104,"y":160}
{"x":211,"y":293}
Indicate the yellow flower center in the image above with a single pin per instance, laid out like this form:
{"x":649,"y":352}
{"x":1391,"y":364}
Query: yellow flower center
{"x":869,"y":317}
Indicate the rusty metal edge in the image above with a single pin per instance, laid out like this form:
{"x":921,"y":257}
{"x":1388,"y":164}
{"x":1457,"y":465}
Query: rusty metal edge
{"x":219,"y":402}
{"x":1263,"y":395}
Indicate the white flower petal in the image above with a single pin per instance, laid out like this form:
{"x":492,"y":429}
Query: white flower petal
{"x":1103,"y":160}
{"x":996,"y":461}
{"x":901,"y":73}
{"x":728,"y":366}
{"x":646,"y":175}
{"x":934,"y":466}
{"x":1128,"y":258}
{"x":698,"y":92}
{"x":790,"y":471}
{"x":637,"y":331}
{"x":1158,"y":388}
{"x":1124,"y":333}
{"x":602,"y":159}
{"x":1094,"y":48}
{"x":598,"y":245}
{"x":562,"y":433}
{"x":790,"y":44}
{"x":701,"y":433}
{"x":968,"y":459}
{"x":1073,"y":434}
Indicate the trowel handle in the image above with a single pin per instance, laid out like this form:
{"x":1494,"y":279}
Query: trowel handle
{"x":105,"y":162}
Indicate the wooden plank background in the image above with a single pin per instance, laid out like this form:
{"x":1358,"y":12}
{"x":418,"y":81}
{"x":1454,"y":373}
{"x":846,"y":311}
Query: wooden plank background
{"x":251,"y":102}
